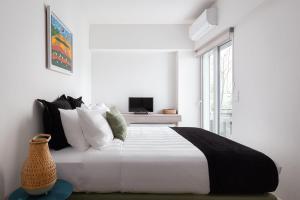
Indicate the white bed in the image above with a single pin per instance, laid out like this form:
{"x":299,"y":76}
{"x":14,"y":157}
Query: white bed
{"x":151,"y":160}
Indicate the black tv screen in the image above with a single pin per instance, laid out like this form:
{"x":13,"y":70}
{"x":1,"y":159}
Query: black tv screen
{"x":140,"y":104}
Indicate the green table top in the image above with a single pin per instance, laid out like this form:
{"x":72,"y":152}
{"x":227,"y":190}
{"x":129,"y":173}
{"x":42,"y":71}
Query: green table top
{"x":61,"y":190}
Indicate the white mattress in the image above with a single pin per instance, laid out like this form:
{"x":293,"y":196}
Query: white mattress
{"x":150,"y":160}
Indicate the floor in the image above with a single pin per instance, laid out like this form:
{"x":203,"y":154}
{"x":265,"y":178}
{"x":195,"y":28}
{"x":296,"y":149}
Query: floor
{"x":126,"y":196}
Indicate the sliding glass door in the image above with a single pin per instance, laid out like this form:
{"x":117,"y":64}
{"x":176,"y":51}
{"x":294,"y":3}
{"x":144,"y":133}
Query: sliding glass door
{"x":209,"y":90}
{"x":217,"y":89}
{"x":226,"y":89}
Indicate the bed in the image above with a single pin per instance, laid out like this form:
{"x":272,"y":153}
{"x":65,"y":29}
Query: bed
{"x":153,"y":160}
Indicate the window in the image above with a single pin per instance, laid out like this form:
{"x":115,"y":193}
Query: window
{"x":217,"y":82}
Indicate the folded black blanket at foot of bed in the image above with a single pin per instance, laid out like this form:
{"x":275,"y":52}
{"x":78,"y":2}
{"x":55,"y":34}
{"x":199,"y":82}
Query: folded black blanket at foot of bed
{"x":233,"y":168}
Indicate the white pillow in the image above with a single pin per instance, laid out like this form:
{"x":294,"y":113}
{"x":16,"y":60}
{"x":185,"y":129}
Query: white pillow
{"x":96,"y":129}
{"x":100,"y":107}
{"x":72,"y":129}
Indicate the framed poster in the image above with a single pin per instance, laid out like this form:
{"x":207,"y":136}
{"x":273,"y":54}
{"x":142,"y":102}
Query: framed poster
{"x":60,"y":45}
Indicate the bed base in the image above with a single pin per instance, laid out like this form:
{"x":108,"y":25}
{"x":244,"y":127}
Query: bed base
{"x":132,"y":196}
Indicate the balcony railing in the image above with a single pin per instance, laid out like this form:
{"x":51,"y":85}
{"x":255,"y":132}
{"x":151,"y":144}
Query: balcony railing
{"x":225,"y":126}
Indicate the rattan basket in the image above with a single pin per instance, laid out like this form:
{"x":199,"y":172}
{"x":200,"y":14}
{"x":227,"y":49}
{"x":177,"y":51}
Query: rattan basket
{"x":38,"y":174}
{"x":169,"y":111}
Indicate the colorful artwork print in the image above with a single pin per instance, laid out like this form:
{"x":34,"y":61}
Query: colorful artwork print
{"x":60,"y":41}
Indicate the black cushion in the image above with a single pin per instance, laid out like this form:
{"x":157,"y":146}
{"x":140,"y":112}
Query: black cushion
{"x":75,"y":102}
{"x":52,"y":121}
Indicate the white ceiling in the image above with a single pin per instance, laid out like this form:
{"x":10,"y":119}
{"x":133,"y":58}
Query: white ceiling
{"x":143,"y":11}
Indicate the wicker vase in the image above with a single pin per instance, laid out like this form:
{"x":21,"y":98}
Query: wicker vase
{"x":38,"y":175}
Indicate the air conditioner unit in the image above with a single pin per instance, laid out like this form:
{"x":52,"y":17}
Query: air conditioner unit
{"x":203,"y":24}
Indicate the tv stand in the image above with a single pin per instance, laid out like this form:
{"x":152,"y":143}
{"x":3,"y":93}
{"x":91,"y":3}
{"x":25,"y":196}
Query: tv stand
{"x":141,"y":113}
{"x":152,"y":118}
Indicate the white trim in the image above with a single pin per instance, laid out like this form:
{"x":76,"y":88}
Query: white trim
{"x":139,"y":50}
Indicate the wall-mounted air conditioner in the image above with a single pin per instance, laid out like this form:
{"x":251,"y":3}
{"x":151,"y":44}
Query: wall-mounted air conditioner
{"x":203,"y":24}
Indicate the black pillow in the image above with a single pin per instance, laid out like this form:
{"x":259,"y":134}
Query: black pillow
{"x":75,"y":102}
{"x":52,"y":121}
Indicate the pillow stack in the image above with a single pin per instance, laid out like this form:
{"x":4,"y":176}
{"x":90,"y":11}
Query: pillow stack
{"x":70,"y":122}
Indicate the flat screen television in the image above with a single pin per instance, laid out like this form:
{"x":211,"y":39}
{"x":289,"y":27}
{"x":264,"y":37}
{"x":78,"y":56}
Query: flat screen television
{"x":140,"y":104}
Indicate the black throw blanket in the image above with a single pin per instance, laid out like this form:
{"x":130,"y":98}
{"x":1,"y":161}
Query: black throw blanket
{"x":233,"y":168}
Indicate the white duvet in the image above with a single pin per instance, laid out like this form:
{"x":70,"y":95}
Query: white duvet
{"x":150,"y":160}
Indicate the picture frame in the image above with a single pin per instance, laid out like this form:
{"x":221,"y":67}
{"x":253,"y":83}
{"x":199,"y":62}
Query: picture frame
{"x":59,"y":45}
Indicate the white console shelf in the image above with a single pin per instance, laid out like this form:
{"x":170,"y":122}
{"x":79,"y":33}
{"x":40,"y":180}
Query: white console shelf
{"x":152,"y":118}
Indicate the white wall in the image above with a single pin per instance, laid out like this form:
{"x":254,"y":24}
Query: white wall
{"x":118,"y":75}
{"x":139,"y":36}
{"x":267,"y":74}
{"x":1,"y":175}
{"x":24,"y":77}
{"x":139,"y":57}
{"x":189,"y":88}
